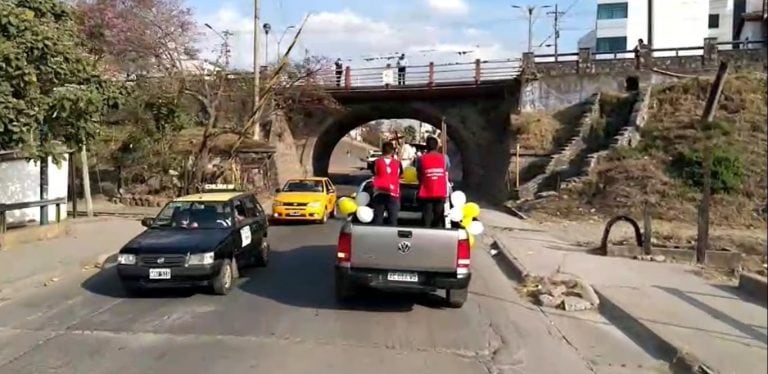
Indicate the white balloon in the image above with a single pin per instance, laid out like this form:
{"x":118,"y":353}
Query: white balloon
{"x":362,"y":199}
{"x":456,"y":214}
{"x":364,"y":214}
{"x":476,"y":228}
{"x":458,"y":198}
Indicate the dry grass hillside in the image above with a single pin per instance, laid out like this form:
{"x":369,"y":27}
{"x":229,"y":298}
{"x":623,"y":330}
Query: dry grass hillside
{"x":666,"y":167}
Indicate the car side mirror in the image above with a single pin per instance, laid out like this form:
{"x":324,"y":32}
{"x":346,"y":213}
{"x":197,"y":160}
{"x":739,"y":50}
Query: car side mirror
{"x":278,"y":190}
{"x":147,"y":221}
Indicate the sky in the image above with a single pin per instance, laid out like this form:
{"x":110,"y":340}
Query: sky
{"x":426,"y":30}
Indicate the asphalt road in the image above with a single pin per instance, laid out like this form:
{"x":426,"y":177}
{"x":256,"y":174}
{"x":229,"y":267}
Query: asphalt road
{"x":281,"y":319}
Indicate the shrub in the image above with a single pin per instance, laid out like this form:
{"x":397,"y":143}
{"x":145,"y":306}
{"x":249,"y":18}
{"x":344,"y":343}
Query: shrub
{"x":727,"y":173}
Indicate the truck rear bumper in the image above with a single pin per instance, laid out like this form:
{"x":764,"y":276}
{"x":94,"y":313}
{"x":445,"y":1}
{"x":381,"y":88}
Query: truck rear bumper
{"x":376,"y":278}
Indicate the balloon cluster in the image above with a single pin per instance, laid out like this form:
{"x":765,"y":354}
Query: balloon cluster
{"x":357,"y":206}
{"x":462,"y":212}
{"x":466,"y":213}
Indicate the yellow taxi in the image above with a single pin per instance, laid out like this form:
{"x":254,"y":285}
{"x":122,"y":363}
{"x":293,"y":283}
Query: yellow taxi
{"x":307,"y":199}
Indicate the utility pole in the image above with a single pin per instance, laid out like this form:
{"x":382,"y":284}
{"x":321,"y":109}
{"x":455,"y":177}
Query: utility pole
{"x":556,"y":25}
{"x":256,"y":69}
{"x":529,"y":9}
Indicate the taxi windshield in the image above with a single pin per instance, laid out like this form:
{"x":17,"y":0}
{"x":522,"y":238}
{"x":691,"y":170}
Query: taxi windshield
{"x":303,"y":186}
{"x":195,"y":215}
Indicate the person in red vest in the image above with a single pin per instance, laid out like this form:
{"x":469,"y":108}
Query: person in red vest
{"x":432,"y":169}
{"x":386,"y":186}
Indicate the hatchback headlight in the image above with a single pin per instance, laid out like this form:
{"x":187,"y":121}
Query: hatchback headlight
{"x":201,"y":259}
{"x":126,"y":259}
{"x":315,"y":204}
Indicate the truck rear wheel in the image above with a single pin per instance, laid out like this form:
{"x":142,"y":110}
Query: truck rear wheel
{"x":456,"y":297}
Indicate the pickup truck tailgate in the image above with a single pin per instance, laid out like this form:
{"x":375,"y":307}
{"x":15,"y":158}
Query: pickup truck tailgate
{"x":403,"y":248}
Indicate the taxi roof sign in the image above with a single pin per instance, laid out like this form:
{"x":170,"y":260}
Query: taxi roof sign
{"x":219,"y":187}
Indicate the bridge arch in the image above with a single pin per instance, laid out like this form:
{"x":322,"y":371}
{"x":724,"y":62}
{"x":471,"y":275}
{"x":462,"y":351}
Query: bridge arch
{"x":336,"y":127}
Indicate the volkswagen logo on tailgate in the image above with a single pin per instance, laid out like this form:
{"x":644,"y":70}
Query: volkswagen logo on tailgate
{"x":161,"y":260}
{"x":404,"y":247}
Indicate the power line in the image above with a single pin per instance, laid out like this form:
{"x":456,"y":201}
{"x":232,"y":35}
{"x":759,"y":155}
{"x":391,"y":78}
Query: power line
{"x":556,"y":32}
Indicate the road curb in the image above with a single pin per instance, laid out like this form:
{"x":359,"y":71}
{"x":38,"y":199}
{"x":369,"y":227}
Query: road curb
{"x":510,"y":265}
{"x":680,"y":360}
{"x":754,"y":286}
{"x":8,"y":290}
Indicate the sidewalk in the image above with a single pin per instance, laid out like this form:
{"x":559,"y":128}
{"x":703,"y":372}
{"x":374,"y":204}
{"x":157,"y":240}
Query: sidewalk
{"x":90,"y":240}
{"x":661,"y":306}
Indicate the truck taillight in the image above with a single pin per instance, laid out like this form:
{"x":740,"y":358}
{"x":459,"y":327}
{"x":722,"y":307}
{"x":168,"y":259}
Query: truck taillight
{"x":463,"y":255}
{"x":344,"y":249}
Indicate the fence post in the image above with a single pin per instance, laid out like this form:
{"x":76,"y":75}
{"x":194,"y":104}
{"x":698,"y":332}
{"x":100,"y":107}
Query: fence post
{"x":431,"y":79}
{"x":710,"y":51}
{"x":389,"y":69}
{"x":347,"y":78}
{"x":477,"y":71}
{"x":528,"y":65}
{"x":584,"y":64}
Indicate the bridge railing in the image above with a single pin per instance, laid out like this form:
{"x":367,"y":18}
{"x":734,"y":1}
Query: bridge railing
{"x":654,"y":52}
{"x":430,"y":75}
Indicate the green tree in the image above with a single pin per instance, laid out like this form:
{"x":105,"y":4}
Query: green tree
{"x":50,"y":90}
{"x":410,"y":134}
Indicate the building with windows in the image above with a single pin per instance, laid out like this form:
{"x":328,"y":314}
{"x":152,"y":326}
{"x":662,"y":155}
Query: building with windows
{"x":660,"y":23}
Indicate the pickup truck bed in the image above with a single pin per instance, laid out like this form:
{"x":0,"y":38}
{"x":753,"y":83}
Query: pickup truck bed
{"x":403,"y":258}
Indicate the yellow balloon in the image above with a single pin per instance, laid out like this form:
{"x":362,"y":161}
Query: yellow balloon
{"x":471,"y":241}
{"x":466,"y":222}
{"x":471,"y":210}
{"x":347,"y":206}
{"x":410,"y":175}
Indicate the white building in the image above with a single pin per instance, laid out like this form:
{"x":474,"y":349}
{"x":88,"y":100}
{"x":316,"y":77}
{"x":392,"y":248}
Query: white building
{"x":660,"y":23}
{"x":20,"y":182}
{"x":751,"y":21}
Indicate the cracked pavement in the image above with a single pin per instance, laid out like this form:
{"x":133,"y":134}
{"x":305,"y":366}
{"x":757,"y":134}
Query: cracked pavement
{"x":280,"y":319}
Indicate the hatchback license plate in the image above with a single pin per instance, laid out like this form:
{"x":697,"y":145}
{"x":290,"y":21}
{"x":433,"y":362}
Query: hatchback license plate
{"x":402,"y":277}
{"x":159,"y":273}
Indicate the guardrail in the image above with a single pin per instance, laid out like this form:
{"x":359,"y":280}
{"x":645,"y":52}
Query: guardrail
{"x":4,"y":208}
{"x":654,"y":52}
{"x":430,"y":75}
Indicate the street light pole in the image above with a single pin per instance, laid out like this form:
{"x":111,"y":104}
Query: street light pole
{"x":529,"y":9}
{"x":225,"y":47}
{"x":281,"y":39}
{"x":267,"y":29}
{"x":256,"y":69}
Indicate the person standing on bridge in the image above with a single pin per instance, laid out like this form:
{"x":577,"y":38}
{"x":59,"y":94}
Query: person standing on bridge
{"x":402,"y":63}
{"x":339,"y":71}
{"x":432,"y":170}
{"x":386,"y":186}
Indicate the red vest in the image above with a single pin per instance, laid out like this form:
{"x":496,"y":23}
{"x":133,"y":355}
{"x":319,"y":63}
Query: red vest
{"x":387,"y":178}
{"x":434,"y":177}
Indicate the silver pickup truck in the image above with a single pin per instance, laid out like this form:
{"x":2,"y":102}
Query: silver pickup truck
{"x":402,"y":258}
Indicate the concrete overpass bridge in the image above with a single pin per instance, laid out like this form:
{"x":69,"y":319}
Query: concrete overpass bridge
{"x":476,"y":99}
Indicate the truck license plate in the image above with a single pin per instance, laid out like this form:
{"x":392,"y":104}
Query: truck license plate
{"x":159,"y":273}
{"x":402,"y":277}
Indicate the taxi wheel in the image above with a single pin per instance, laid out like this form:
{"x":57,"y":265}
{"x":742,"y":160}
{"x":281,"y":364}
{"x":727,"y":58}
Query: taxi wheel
{"x":334,"y":212}
{"x":223,"y":282}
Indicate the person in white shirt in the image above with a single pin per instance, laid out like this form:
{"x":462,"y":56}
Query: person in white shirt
{"x":402,"y":62}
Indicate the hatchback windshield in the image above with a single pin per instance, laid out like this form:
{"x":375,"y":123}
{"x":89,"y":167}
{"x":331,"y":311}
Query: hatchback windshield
{"x":303,"y":186}
{"x":195,"y":215}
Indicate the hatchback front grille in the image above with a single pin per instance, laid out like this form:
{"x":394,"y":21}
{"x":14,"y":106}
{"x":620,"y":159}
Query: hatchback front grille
{"x":163,"y":260}
{"x":296,"y":204}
